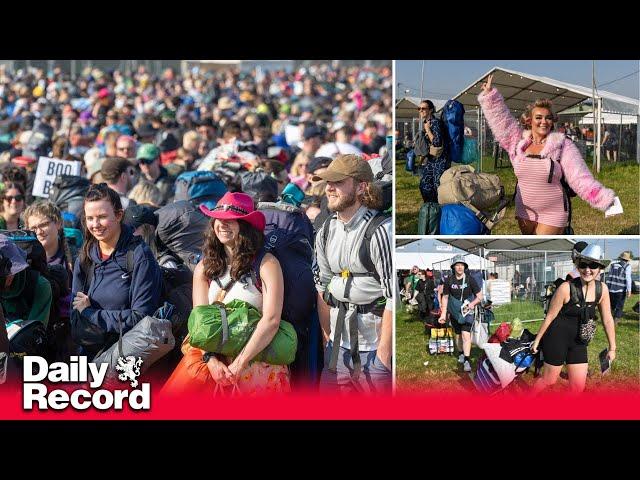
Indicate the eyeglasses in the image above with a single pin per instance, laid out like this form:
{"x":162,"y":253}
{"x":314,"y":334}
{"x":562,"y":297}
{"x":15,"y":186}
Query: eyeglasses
{"x":125,"y":149}
{"x":17,"y":198}
{"x":422,"y":109}
{"x":591,"y":265}
{"x":42,"y":226}
{"x":147,"y":161}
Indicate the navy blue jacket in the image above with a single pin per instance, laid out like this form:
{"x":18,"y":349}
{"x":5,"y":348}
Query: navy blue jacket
{"x":114,"y":293}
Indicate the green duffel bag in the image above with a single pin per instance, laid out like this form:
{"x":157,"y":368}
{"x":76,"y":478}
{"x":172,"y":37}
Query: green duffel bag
{"x":227,"y":329}
{"x":429,"y":219}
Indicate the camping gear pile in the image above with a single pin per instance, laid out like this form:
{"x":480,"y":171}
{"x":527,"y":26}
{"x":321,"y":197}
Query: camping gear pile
{"x":507,"y":356}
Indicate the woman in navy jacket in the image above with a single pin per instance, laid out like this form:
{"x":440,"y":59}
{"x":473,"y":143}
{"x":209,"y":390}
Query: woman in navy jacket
{"x":113,"y":294}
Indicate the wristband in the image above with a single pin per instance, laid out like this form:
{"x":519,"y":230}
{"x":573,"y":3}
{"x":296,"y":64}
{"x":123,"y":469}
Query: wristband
{"x":206,"y":356}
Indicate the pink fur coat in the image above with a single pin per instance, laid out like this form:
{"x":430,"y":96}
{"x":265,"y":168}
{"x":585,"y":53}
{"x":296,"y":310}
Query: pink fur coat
{"x":515,"y":141}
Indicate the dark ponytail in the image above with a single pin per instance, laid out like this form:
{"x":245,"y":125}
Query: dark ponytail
{"x":96,"y":192}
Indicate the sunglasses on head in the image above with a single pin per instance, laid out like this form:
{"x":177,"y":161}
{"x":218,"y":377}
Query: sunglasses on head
{"x":17,"y":198}
{"x":591,"y":265}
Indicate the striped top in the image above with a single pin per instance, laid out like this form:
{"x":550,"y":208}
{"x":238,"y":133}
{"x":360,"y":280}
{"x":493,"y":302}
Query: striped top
{"x":536,"y":198}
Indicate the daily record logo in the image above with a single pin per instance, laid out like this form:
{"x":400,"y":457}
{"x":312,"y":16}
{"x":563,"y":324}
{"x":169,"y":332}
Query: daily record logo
{"x":80,"y":370}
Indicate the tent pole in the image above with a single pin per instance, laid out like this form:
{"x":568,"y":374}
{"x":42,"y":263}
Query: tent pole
{"x":620,"y":139}
{"x":480,"y":137}
{"x":599,"y":134}
{"x":593,"y":107}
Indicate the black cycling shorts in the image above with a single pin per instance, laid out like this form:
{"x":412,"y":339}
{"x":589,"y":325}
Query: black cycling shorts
{"x":560,"y":343}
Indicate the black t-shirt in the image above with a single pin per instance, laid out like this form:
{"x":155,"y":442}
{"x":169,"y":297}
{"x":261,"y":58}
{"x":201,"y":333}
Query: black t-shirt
{"x":452,"y":287}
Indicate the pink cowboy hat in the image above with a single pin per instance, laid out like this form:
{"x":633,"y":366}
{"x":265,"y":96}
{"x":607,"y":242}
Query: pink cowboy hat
{"x":236,"y":206}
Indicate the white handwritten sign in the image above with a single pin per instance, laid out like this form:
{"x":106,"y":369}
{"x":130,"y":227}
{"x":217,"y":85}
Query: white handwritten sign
{"x":48,"y":170}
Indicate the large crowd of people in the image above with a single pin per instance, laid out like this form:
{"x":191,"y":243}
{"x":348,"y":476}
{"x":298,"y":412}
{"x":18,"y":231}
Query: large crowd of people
{"x":176,"y":171}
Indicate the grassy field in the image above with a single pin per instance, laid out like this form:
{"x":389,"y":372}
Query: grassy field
{"x":622,"y":178}
{"x":444,"y":373}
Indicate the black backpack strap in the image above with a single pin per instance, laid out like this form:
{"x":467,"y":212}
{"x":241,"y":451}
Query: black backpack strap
{"x":575,"y":289}
{"x":598,"y":291}
{"x":365,"y":247}
{"x":325,"y":230}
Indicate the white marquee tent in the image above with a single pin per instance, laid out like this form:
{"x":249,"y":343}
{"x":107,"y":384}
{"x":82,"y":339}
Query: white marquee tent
{"x":520,"y":89}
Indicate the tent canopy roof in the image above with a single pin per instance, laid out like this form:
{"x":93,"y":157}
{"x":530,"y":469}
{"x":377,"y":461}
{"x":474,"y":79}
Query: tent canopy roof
{"x":473,"y":245}
{"x":407,"y":107}
{"x":520,"y":89}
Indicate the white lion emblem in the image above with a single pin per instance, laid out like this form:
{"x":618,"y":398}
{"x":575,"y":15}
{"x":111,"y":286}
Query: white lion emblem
{"x":130,"y":368}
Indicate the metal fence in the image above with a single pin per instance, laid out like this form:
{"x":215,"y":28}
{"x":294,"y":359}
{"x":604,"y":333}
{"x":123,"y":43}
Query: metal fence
{"x":528,"y":272}
{"x":626,"y":143}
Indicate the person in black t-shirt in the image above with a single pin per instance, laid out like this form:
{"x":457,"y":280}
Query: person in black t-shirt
{"x":460,"y":296}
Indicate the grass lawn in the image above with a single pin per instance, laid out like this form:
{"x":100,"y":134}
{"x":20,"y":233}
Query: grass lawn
{"x":444,"y":373}
{"x":622,"y":178}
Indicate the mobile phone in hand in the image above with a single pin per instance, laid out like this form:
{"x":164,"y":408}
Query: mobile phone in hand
{"x":605,"y":364}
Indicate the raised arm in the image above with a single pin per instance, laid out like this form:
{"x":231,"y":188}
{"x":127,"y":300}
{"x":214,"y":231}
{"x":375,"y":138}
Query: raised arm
{"x":503,"y":125}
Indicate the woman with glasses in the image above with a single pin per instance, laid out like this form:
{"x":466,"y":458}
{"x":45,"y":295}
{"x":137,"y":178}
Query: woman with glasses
{"x":428,"y":146}
{"x":108,"y":289}
{"x":572,"y":306}
{"x":13,"y":204}
{"x":45,"y":219}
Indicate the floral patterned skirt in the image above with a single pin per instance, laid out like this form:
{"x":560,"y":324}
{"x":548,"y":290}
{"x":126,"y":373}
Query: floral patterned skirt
{"x":259,"y":378}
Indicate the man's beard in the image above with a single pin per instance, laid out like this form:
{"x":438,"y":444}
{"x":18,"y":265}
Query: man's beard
{"x":344,"y":203}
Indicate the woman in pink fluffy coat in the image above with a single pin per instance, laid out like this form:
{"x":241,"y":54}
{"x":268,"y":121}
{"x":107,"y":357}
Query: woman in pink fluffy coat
{"x":540,"y":159}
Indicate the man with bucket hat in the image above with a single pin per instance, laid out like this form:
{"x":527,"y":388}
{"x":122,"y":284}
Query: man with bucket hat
{"x":460,"y":296}
{"x":618,"y":279}
{"x":354,"y":281}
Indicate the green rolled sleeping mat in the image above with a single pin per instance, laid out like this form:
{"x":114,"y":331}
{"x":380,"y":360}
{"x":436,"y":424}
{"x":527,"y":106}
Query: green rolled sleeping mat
{"x":226,"y":329}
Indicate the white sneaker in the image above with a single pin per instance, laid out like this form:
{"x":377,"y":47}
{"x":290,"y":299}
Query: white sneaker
{"x":461,"y":358}
{"x":467,"y":367}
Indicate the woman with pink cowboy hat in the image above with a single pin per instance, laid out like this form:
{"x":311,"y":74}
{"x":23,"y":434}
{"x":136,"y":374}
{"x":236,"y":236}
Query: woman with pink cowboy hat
{"x":232,"y":244}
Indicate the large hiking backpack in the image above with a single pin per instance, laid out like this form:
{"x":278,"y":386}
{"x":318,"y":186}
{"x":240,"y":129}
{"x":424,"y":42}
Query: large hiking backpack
{"x":68,"y":193}
{"x":57,"y":330}
{"x":57,"y":275}
{"x":180,"y":232}
{"x":40,"y":141}
{"x":452,"y":118}
{"x":288,"y":235}
{"x":364,"y":253}
{"x":480,"y":192}
{"x":200,"y":186}
{"x":384,"y":179}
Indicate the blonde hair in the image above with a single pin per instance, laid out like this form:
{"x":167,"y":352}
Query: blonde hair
{"x":190,"y":136}
{"x":295,"y":167}
{"x":372,"y":197}
{"x":43,"y":208}
{"x":146,"y":192}
{"x":316,"y":189}
{"x":525,"y":118}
